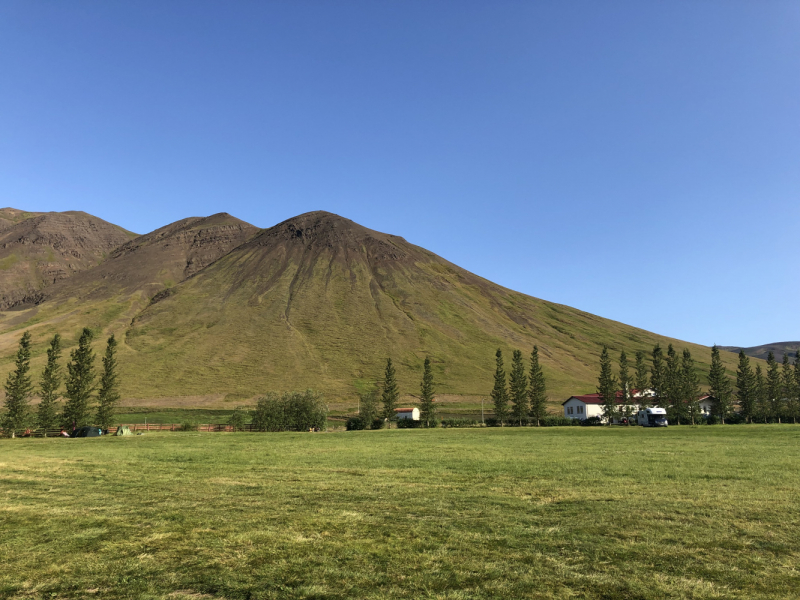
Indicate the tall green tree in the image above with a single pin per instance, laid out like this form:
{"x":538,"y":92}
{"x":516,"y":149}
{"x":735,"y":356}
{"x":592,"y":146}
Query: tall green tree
{"x":368,"y":407}
{"x":790,"y":390}
{"x":719,"y":386}
{"x":391,"y":394}
{"x":690,"y":387}
{"x":774,"y":387}
{"x":537,"y":392}
{"x":795,"y":406}
{"x":518,"y":384}
{"x":607,"y":387}
{"x":108,"y":395}
{"x":641,"y":380}
{"x":626,"y":385}
{"x":80,"y":382}
{"x":657,"y":377}
{"x":18,"y":389}
{"x":499,"y":392}
{"x":49,"y":385}
{"x":745,"y":387}
{"x":672,"y":386}
{"x":762,"y":408}
{"x":426,"y":408}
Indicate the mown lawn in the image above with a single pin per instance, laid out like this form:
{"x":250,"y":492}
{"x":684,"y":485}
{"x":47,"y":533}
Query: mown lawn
{"x":706,"y":512}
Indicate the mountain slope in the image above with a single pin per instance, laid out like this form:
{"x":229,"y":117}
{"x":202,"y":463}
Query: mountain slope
{"x":40,"y":249}
{"x":778,"y":348}
{"x":319,"y":301}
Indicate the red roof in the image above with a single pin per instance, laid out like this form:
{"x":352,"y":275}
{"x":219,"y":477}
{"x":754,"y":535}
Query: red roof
{"x":404,"y":409}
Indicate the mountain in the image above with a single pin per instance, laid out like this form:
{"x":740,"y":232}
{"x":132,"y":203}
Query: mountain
{"x":215,"y":306}
{"x":40,"y":249}
{"x":778,"y":348}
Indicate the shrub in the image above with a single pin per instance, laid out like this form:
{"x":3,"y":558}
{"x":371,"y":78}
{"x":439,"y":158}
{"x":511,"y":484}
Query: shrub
{"x":290,"y":411}
{"x":189,"y":426}
{"x":408,"y":424}
{"x":558,"y":421}
{"x":459,"y":423}
{"x":378,"y":423}
{"x":238,"y":418}
{"x":354,"y":424}
{"x":592,"y":421}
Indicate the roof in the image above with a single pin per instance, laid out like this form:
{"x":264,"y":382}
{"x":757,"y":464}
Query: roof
{"x":410,"y":409}
{"x":593,"y":398}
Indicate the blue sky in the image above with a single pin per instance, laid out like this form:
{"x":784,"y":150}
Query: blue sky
{"x":637,"y":160}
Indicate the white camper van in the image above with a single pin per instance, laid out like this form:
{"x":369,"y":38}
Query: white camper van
{"x":652,"y":417}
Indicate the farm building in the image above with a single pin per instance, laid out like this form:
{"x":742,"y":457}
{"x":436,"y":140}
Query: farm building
{"x":590,"y":405}
{"x":407,"y":413}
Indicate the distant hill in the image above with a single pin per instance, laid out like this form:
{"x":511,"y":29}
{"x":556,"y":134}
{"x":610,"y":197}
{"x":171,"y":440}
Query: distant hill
{"x":778,"y":348}
{"x":216,"y":306}
{"x":40,"y":249}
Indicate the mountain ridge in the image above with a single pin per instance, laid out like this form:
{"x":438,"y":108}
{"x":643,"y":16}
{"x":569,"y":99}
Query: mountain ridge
{"x":317,"y":300}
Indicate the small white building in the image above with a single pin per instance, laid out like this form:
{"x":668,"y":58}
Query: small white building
{"x":590,"y":405}
{"x":407,"y":413}
{"x":706,"y":405}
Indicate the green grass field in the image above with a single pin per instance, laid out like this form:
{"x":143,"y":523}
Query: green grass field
{"x":706,"y":512}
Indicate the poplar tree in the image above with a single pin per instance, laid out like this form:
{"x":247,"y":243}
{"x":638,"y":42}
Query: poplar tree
{"x":657,"y":377}
{"x":18,"y":388}
{"x":626,"y":387}
{"x":108,"y":395}
{"x":719,"y":386}
{"x":390,"y":395}
{"x":368,"y":407}
{"x":80,"y":382}
{"x":607,"y":386}
{"x":640,"y":380}
{"x":790,"y":389}
{"x":499,"y":393}
{"x":774,"y":387}
{"x":672,"y":383}
{"x":537,"y":393}
{"x":48,"y":386}
{"x":795,"y":406}
{"x":761,"y":399}
{"x":426,"y":407}
{"x":745,"y":387}
{"x":518,"y":384}
{"x":690,"y":387}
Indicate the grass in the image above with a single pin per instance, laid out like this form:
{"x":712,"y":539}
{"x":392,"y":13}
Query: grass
{"x":707,"y":512}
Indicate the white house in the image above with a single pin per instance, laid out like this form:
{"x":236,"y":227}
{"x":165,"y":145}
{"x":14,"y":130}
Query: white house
{"x":407,"y":413}
{"x":706,"y":405}
{"x":590,"y":405}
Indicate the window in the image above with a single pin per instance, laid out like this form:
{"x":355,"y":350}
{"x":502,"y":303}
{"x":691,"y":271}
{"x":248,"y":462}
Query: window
{"x":580,"y":410}
{"x":569,"y":410}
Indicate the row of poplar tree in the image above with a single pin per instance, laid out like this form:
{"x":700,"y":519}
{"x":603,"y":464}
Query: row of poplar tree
{"x":675,"y":386}
{"x":526,"y":393}
{"x":80,"y":388}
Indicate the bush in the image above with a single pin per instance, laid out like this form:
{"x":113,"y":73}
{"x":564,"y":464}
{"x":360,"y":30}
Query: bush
{"x":354,"y":424}
{"x":408,"y":424}
{"x":558,"y":421}
{"x":592,"y":421}
{"x":378,"y":424}
{"x":459,"y":423}
{"x":238,"y":418}
{"x":290,"y":411}
{"x":189,"y":426}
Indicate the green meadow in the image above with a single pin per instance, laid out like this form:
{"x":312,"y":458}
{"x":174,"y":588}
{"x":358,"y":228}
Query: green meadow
{"x":687,"y":512}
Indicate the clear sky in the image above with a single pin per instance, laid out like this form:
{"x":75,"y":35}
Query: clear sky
{"x":637,"y":160}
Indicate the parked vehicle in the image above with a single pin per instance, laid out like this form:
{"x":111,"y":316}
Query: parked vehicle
{"x":652,"y":417}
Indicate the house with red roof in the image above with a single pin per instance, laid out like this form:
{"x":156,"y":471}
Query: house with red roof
{"x":590,"y":405}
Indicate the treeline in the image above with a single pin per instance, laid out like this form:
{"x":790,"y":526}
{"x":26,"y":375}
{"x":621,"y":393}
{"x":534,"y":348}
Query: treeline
{"x":86,"y":401}
{"x":675,"y":387}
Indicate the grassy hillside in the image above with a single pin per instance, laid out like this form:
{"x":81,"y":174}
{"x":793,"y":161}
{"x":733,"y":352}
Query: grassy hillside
{"x":596,"y":513}
{"x":319,"y":301}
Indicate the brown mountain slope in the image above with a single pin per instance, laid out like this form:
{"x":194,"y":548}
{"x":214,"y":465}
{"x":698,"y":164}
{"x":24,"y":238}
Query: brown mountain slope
{"x":319,"y":301}
{"x":40,"y":249}
{"x":108,"y":296}
{"x":778,"y":348}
